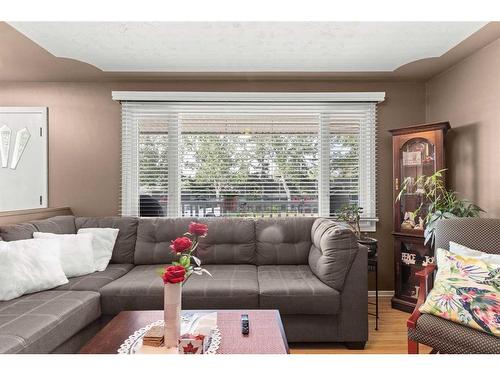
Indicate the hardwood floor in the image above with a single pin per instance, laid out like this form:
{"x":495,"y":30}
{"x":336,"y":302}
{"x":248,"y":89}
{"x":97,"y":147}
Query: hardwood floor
{"x":389,"y":339}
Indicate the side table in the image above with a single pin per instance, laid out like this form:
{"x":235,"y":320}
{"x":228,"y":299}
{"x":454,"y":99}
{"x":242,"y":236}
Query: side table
{"x":372,"y":245}
{"x":373,"y":267}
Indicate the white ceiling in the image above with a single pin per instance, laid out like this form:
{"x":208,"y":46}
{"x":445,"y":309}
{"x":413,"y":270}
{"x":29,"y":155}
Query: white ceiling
{"x":247,"y":46}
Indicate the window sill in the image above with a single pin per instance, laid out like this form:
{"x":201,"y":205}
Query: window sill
{"x":368,"y":225}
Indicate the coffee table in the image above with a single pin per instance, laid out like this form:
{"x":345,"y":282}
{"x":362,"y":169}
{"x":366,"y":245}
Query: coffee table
{"x":266,"y":336}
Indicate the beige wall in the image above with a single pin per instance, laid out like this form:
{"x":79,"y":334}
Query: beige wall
{"x":468,"y":95}
{"x":84,"y":138}
{"x":84,"y":142}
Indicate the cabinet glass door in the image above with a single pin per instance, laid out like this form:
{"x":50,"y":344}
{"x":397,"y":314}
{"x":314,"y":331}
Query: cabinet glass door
{"x":417,"y":158}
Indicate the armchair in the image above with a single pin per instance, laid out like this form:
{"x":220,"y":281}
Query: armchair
{"x":425,"y":279}
{"x":444,"y":336}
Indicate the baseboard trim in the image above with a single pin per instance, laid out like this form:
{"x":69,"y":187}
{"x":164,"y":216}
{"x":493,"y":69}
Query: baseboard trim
{"x":381,"y":293}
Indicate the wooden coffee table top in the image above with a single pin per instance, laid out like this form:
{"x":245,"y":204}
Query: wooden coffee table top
{"x":266,"y":332}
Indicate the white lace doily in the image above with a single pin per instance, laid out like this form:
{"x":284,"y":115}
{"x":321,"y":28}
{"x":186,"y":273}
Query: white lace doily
{"x":133,"y":344}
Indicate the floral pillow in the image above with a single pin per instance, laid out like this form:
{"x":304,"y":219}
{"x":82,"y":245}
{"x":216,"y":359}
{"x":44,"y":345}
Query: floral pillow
{"x":466,"y":291}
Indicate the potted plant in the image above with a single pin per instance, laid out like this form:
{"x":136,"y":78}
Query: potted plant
{"x":351,"y":214}
{"x":441,"y":202}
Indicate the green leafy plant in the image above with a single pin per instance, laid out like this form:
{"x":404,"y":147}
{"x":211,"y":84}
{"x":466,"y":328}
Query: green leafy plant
{"x":351,"y":214}
{"x":441,"y":202}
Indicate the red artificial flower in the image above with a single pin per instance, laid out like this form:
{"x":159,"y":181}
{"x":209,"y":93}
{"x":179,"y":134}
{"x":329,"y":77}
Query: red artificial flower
{"x":174,"y":274}
{"x":198,"y":229}
{"x":181,"y":244}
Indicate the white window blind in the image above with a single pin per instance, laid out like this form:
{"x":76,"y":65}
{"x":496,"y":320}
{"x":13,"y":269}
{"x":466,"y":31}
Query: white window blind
{"x":249,"y":164}
{"x":247,"y":159}
{"x":350,"y":135}
{"x":150,"y":159}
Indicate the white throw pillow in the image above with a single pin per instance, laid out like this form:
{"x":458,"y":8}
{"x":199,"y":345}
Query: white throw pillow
{"x":462,"y":250}
{"x":102,"y":245}
{"x":77,"y":257}
{"x":29,"y":266}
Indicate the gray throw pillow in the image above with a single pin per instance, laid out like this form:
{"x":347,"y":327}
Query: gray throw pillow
{"x":16,"y":232}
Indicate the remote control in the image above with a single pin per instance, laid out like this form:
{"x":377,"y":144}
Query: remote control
{"x":245,"y":326}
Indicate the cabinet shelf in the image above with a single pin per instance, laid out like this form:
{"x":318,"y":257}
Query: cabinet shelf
{"x":428,"y":163}
{"x":419,"y":232}
{"x":415,"y":234}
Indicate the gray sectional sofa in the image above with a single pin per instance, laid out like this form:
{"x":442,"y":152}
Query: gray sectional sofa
{"x":311,"y":269}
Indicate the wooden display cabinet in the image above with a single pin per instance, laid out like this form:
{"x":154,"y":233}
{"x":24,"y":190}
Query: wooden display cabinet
{"x":417,"y":150}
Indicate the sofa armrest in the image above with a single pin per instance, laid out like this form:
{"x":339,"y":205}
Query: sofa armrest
{"x":425,"y":278}
{"x":352,"y":320}
{"x":333,"y":250}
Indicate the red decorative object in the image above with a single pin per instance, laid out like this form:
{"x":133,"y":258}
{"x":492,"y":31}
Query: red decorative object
{"x":181,"y":244}
{"x":174,"y":274}
{"x":198,"y":229}
{"x":190,"y":349}
{"x":191,"y":344}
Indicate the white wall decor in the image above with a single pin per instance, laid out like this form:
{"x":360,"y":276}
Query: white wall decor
{"x":22,"y":138}
{"x":23,"y":152}
{"x":5,"y":133}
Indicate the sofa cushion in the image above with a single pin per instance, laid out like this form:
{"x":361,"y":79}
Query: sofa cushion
{"x":229,"y":241}
{"x":95,"y":281}
{"x":40,"y":322}
{"x":295,"y":290}
{"x":233,"y":286}
{"x":29,"y":266}
{"x":139,"y":289}
{"x":283,"y":240}
{"x":76,"y":254}
{"x":16,"y":232}
{"x":58,"y":224}
{"x":466,"y":291}
{"x":153,"y":239}
{"x":123,"y":251}
{"x":452,"y":338}
{"x":333,"y":250}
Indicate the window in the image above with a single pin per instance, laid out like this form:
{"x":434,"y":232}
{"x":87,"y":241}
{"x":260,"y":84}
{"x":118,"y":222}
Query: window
{"x":248,"y":158}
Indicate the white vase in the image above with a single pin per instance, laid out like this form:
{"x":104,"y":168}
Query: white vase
{"x":172,"y":314}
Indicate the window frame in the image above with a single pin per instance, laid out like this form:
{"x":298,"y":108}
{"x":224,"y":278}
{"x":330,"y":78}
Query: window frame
{"x":130,"y":162}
